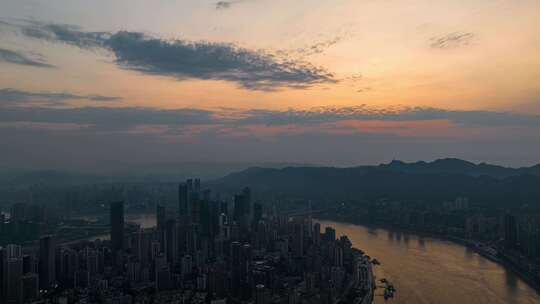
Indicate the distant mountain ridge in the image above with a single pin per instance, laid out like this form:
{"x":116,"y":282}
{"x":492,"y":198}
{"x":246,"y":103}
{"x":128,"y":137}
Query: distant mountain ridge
{"x":458,"y":166}
{"x":437,"y":180}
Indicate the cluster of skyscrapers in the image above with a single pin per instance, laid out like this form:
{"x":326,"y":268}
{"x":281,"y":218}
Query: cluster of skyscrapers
{"x":25,"y":278}
{"x":202,"y":251}
{"x":522,"y":235}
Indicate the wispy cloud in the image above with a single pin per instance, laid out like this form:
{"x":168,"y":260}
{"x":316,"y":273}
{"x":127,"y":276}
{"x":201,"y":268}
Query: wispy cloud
{"x":181,"y":59}
{"x":127,"y":117}
{"x":319,"y":47}
{"x":452,"y":40}
{"x":365,"y":112}
{"x":111,"y":119}
{"x":13,"y":97}
{"x":20,"y":58}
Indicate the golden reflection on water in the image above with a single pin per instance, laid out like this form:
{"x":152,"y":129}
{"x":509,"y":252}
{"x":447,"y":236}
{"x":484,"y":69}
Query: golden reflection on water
{"x":427,"y":270}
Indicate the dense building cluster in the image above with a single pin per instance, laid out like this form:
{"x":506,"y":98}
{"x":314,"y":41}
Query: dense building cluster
{"x":202,"y":251}
{"x":521,"y":243}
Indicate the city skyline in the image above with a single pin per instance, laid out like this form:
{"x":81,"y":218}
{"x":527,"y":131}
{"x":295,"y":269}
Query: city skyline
{"x":259,"y":81}
{"x":246,"y":247}
{"x":203,"y":250}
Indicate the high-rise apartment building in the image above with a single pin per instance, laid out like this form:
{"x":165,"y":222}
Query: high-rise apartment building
{"x":117,"y":226}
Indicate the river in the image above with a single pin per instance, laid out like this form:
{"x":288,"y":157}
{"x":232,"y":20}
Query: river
{"x":428,"y":270}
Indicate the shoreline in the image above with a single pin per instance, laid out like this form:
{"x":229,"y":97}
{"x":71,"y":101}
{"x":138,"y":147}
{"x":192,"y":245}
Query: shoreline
{"x":495,"y":259}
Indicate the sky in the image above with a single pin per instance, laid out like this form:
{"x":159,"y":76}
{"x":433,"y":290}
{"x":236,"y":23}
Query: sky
{"x":87,"y":84}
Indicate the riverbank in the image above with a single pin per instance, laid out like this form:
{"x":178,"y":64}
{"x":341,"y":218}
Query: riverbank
{"x":432,"y":270}
{"x":498,"y":259}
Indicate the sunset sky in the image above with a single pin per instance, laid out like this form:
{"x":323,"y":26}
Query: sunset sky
{"x":341,"y":82}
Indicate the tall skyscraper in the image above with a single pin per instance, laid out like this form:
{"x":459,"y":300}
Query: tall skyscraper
{"x":160,"y":224}
{"x":330,"y":234}
{"x":236,"y":267}
{"x":189,"y":194}
{"x":316,"y":233}
{"x":262,"y":295}
{"x":160,"y":217}
{"x":144,"y":239}
{"x":2,"y":260}
{"x":510,"y":231}
{"x":309,"y":221}
{"x":2,"y":222}
{"x":47,"y":268}
{"x":13,"y":271}
{"x":14,"y":280}
{"x":171,"y":242}
{"x":257,"y":214}
{"x":242,"y":212}
{"x":247,"y":197}
{"x":30,"y":287}
{"x":117,"y":226}
{"x":298,"y":237}
{"x":184,"y":199}
{"x":197,"y":185}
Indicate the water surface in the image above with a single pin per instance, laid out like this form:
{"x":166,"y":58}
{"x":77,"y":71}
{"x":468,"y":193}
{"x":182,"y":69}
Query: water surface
{"x":427,"y":270}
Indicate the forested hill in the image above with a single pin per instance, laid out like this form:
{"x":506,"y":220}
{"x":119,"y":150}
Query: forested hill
{"x":434,"y":181}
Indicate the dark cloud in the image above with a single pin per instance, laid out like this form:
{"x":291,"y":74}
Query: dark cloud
{"x":13,"y":97}
{"x":452,"y":40}
{"x":20,"y":58}
{"x":255,"y":70}
{"x":107,"y":117}
{"x":335,"y":114}
{"x":220,"y":5}
{"x":204,"y":60}
{"x":227,"y":4}
{"x":64,"y":33}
